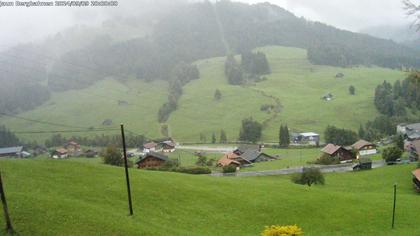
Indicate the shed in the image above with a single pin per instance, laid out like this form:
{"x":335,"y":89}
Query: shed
{"x":11,"y":151}
{"x":256,"y":156}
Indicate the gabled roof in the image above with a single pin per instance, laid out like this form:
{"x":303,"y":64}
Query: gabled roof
{"x":61,"y":150}
{"x":252,"y":155}
{"x":150,"y":145}
{"x":331,"y":149}
{"x":361,"y":143}
{"x":155,"y":155}
{"x":248,"y":147}
{"x":10,"y":150}
{"x":224,"y":161}
{"x":230,"y":155}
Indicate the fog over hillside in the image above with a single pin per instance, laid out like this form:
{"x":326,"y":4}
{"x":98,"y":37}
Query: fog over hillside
{"x":40,"y":22}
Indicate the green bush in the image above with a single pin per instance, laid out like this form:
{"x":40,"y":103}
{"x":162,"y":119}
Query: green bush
{"x":194,"y":170}
{"x":112,"y":156}
{"x":229,"y":169}
{"x":309,"y":176}
{"x":326,"y":159}
{"x":391,"y":154}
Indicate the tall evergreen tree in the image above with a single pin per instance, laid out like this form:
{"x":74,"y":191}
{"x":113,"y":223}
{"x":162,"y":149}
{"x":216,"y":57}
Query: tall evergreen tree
{"x":213,"y":138}
{"x":223,"y":137}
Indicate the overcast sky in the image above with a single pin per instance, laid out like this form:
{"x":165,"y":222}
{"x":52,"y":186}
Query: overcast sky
{"x":20,"y":24}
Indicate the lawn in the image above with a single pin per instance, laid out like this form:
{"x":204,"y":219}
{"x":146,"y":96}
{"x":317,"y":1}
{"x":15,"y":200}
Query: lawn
{"x":64,"y":197}
{"x":287,"y":158}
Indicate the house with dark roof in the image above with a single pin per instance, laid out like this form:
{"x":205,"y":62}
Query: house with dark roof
{"x":338,"y":152}
{"x":253,"y":156}
{"x":168,"y":146}
{"x":247,"y":147}
{"x":11,"y":151}
{"x":364,"y":148}
{"x":152,"y":159}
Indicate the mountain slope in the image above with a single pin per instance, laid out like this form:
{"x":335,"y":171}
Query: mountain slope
{"x":295,"y":83}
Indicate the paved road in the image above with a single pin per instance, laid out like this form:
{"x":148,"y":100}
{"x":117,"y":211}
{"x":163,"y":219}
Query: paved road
{"x":324,"y":169}
{"x":206,"y":148}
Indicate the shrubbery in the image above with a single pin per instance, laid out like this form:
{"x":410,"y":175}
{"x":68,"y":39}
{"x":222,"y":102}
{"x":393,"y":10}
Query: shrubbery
{"x":309,"y":176}
{"x":391,"y":154}
{"x":195,"y":170}
{"x":326,"y":159}
{"x":276,"y":230}
{"x":229,"y":169}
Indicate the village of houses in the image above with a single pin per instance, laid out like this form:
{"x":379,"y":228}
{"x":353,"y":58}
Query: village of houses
{"x":155,"y":154}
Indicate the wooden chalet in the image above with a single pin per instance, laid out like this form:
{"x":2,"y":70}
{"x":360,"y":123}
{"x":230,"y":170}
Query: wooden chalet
{"x":152,"y":159}
{"x":168,"y":146}
{"x":364,"y":148}
{"x":337,"y":152}
{"x":73,"y":148}
{"x":416,"y":179}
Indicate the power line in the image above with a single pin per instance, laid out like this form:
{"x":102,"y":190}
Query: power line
{"x":45,"y":122}
{"x":64,"y":131}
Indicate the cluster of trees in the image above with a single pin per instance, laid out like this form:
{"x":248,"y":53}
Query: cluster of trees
{"x":222,"y":137}
{"x":255,"y":63}
{"x":252,"y":66}
{"x":204,"y":161}
{"x":284,"y":136}
{"x":97,"y":141}
{"x":251,"y":130}
{"x":182,"y":74}
{"x":338,"y":136}
{"x":233,"y":71}
{"x":393,"y":101}
{"x":8,"y":138}
{"x":379,"y":127}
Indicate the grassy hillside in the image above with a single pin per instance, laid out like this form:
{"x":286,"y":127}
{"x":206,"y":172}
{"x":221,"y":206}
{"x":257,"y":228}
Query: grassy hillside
{"x":90,"y":107}
{"x":296,"y":83}
{"x":48,"y":197}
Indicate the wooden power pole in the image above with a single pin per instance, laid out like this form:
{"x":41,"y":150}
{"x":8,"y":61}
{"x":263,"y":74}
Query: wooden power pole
{"x":130,"y":206}
{"x":9,"y":227}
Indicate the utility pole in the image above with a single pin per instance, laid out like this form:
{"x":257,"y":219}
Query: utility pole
{"x":9,"y":227}
{"x":393,"y":209}
{"x":130,"y":206}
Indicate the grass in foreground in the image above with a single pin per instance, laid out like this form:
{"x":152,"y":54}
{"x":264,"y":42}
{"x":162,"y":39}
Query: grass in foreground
{"x":63,"y":197}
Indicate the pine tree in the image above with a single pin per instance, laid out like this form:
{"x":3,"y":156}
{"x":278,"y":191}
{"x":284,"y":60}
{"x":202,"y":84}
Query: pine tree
{"x":284,"y":137}
{"x":223,"y":137}
{"x":213,"y":138}
{"x":362,"y":133}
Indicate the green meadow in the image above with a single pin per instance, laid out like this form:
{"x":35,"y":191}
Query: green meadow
{"x":67,"y":197}
{"x":296,"y":83}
